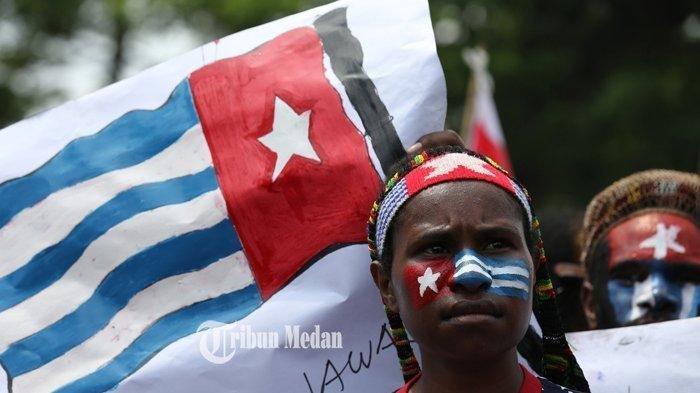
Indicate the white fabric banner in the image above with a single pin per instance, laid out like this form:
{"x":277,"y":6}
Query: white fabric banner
{"x":660,"y":357}
{"x":124,"y":228}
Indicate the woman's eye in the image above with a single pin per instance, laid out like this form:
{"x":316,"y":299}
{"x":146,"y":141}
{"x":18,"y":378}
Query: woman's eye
{"x":497,"y":245}
{"x":435,"y":250}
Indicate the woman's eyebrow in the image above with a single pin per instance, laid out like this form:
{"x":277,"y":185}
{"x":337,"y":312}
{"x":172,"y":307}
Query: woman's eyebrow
{"x":500,"y":229}
{"x":426,"y":231}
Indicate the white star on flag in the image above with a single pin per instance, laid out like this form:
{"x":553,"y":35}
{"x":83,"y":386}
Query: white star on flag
{"x":289,"y":136}
{"x":449,"y":162}
{"x":663,"y":239}
{"x":428,"y":280}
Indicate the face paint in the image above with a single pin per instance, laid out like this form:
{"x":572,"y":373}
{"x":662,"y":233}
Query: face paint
{"x":501,"y":276}
{"x":660,"y":236}
{"x":657,"y":298}
{"x":657,"y":245}
{"x":427,"y":281}
{"x":690,"y":303}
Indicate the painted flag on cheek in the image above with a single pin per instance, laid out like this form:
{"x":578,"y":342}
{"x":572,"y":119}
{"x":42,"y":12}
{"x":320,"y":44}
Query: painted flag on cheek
{"x":427,"y":281}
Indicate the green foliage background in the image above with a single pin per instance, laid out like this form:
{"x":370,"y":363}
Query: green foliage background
{"x":587,"y":92}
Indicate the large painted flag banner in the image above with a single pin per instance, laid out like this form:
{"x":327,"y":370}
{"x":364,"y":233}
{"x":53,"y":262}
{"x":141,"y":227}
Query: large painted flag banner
{"x":223,"y":194}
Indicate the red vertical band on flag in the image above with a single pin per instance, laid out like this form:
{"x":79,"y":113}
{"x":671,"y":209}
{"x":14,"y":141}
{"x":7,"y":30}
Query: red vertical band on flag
{"x":482,"y":143}
{"x":288,"y":206}
{"x":485,"y":133}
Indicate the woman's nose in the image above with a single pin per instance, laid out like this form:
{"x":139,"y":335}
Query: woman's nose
{"x":471,"y":274}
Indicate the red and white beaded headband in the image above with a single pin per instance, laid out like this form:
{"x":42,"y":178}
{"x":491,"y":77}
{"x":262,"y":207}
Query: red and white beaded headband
{"x":434,"y":170}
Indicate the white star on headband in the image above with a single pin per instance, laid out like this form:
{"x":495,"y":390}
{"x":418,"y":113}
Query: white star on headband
{"x":449,"y":162}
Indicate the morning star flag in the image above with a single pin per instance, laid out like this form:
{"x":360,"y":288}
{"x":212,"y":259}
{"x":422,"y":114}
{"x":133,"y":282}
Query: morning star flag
{"x":219,"y":196}
{"x":484,"y":132}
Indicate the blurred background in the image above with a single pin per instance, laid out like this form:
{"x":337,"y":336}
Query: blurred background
{"x":587,"y":92}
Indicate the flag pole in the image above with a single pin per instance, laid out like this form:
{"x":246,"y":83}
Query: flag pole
{"x":468,"y":111}
{"x":481,"y":127}
{"x":476,"y":59}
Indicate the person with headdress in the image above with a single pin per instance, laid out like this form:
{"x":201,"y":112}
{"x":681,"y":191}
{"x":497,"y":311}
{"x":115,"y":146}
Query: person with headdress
{"x":460,"y":266}
{"x":641,"y":250}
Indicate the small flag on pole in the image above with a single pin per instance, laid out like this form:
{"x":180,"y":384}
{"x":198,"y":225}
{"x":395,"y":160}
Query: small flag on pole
{"x":484,"y":133}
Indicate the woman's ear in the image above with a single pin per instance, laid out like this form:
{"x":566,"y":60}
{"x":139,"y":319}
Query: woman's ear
{"x":383,"y":283}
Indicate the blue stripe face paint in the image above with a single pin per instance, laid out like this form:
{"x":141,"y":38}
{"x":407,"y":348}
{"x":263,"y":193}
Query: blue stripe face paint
{"x":657,"y":296}
{"x":500,"y":276}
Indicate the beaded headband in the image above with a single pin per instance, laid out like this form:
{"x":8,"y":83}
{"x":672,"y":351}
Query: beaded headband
{"x":430,"y":171}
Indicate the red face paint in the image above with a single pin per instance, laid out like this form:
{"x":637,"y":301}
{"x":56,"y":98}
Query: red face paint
{"x":427,"y":281}
{"x":655,"y":236}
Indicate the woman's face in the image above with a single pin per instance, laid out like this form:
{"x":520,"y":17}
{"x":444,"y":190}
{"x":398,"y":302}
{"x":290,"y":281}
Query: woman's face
{"x":462,"y":274}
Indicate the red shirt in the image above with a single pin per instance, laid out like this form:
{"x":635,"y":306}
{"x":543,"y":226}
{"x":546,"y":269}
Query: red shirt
{"x":530,"y":384}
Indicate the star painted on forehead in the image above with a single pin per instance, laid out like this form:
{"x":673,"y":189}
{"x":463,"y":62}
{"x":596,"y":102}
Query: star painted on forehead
{"x":663,"y":240}
{"x":450,"y":162}
{"x":289,"y":136}
{"x":428,"y":280}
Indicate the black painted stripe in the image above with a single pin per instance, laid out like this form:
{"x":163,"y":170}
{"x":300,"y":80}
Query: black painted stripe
{"x":345,"y":53}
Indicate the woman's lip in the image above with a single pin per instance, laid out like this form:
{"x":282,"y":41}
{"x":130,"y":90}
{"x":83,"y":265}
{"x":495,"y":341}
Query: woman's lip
{"x":473,"y":308}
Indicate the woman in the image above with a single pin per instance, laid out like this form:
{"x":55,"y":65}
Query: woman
{"x":451,"y":239}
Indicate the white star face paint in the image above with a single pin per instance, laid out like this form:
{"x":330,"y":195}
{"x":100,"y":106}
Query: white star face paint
{"x":663,"y":240}
{"x":500,"y":276}
{"x":428,"y":280}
